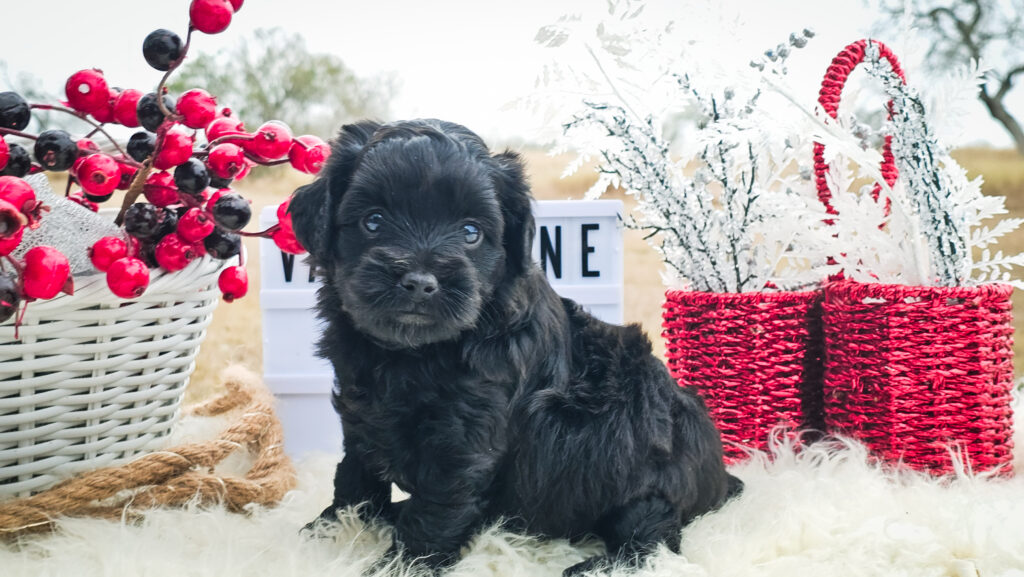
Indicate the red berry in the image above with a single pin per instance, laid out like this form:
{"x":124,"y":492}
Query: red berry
{"x":105,"y":113}
{"x":195,"y":225}
{"x":308,"y":153}
{"x":10,"y":243}
{"x":12,"y":221}
{"x":270,"y":141}
{"x":126,"y":107}
{"x":285,"y":240}
{"x":236,"y":5}
{"x":284,"y":218}
{"x":106,"y":250}
{"x":173,"y":253}
{"x":160,"y":189}
{"x":5,"y":153}
{"x":224,"y":125}
{"x":233,"y":283}
{"x":87,"y":146}
{"x":226,"y":160}
{"x":87,"y":91}
{"x":46,"y":273}
{"x":18,"y":192}
{"x":197,"y":107}
{"x":128,"y":277}
{"x":210,"y":16}
{"x":285,"y":236}
{"x":316,"y":157}
{"x":245,"y":170}
{"x":176,"y":148}
{"x":128,"y":172}
{"x":99,"y":175}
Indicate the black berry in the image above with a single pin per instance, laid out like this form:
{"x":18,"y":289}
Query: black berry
{"x":222,"y":244}
{"x":191,"y":176}
{"x":54,"y":150}
{"x":142,"y":220}
{"x":141,"y":145}
{"x":9,"y":296}
{"x":231,"y":211}
{"x":148,"y":111}
{"x":168,"y":222}
{"x":218,"y":182}
{"x":14,"y":111}
{"x":19,"y":163}
{"x":161,"y":48}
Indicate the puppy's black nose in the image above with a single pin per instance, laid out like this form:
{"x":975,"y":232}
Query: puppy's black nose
{"x":420,"y":285}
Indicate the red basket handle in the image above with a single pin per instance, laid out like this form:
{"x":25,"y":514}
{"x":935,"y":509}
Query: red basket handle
{"x":831,"y":91}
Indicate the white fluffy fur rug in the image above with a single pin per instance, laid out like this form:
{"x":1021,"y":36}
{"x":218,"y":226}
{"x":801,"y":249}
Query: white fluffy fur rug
{"x":821,"y":512}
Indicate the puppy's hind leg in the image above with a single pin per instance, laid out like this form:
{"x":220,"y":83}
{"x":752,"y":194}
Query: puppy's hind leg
{"x":633,"y":531}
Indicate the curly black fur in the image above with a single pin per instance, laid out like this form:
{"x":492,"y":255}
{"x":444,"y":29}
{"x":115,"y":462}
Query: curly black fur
{"x":464,"y":379}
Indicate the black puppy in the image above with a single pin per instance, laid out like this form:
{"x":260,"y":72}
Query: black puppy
{"x":464,"y":379}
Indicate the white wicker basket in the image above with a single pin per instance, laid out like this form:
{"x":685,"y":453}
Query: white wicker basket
{"x":94,"y":379}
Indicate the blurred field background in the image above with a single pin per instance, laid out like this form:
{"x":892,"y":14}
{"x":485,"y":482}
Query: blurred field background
{"x":234,"y":335}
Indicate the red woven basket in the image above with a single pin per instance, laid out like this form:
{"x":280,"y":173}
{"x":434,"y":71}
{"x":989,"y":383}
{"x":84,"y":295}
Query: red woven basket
{"x":755,"y":359}
{"x":921,"y":375}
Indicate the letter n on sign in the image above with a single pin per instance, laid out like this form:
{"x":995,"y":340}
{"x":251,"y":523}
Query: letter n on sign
{"x":579,"y":246}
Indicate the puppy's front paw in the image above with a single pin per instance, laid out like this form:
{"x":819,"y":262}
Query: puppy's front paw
{"x":317,"y":528}
{"x":596,"y":564}
{"x":429,"y":564}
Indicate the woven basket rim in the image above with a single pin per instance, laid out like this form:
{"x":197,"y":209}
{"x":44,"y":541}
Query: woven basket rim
{"x":93,"y":289}
{"x":746,"y":297}
{"x":857,"y":289}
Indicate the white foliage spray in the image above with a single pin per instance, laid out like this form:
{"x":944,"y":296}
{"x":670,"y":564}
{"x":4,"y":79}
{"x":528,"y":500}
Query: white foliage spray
{"x":735,"y":219}
{"x":731,"y":204}
{"x":948,"y":207}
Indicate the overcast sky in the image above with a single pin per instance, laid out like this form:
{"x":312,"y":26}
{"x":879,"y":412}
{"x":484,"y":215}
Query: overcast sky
{"x":461,"y":60}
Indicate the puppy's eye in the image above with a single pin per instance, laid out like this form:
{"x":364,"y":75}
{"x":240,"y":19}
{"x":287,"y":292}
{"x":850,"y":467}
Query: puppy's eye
{"x":373,"y":221}
{"x":472,"y":233}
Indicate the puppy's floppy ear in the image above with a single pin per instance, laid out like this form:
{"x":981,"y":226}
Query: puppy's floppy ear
{"x":313,"y":205}
{"x":514,"y":196}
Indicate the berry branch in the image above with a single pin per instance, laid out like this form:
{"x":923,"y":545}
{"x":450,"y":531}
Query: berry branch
{"x":161,"y":88}
{"x":178,"y":203}
{"x":96,"y":126}
{"x":18,"y":133}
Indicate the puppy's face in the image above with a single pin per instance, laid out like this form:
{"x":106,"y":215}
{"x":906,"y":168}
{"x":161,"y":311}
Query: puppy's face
{"x":419,"y":243}
{"x":416,"y":243}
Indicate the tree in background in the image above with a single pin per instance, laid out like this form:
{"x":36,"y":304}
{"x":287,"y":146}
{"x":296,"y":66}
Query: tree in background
{"x":273,"y":74}
{"x":959,"y":31}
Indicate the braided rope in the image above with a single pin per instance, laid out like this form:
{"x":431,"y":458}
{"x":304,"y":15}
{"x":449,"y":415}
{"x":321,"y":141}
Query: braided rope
{"x":176,"y":476}
{"x":755,"y":359}
{"x":829,"y":96}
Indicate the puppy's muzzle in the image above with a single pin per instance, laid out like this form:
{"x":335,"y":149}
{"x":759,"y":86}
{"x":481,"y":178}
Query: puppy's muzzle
{"x":419,"y":286}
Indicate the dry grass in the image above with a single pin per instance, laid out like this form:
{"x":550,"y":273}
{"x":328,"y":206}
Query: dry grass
{"x":234,"y":335}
